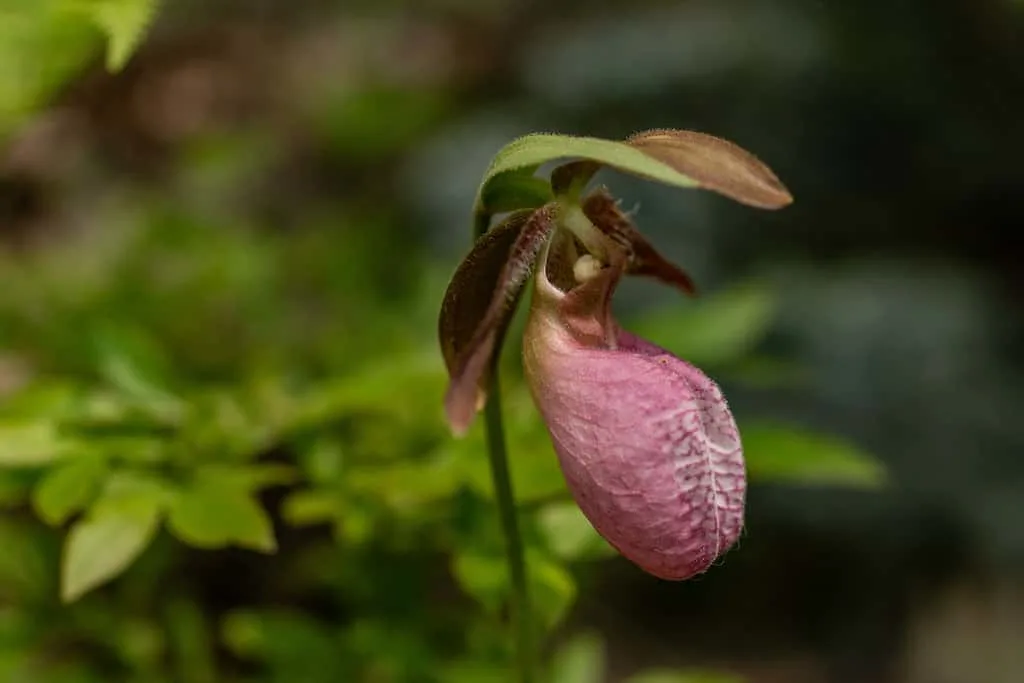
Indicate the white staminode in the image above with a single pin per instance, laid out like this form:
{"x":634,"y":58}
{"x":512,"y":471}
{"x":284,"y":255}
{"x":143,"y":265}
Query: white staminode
{"x":586,"y":268}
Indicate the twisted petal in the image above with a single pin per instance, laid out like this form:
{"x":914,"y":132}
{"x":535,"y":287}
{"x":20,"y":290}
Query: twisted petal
{"x":605,"y":214}
{"x":646,"y":441}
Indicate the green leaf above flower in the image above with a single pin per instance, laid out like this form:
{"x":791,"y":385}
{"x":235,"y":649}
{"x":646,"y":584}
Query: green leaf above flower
{"x":675,"y":157}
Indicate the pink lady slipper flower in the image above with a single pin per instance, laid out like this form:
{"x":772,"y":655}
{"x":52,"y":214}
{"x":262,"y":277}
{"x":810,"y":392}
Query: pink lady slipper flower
{"x":646,"y":441}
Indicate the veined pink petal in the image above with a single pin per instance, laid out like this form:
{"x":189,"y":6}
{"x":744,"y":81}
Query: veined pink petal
{"x":646,"y":441}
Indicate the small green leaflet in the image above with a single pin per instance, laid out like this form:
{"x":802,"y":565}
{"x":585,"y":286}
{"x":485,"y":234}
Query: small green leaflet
{"x":125,"y":23}
{"x":68,"y":487}
{"x":105,"y":543}
{"x":31,"y":444}
{"x":205,"y":515}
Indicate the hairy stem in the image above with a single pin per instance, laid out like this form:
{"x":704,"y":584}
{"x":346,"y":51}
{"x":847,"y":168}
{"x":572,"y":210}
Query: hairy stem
{"x":520,"y":609}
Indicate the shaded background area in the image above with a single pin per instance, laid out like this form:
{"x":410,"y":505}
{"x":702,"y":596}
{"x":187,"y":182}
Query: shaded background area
{"x":220,"y":271}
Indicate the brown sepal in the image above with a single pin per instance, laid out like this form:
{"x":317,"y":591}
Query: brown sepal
{"x":479,"y":305}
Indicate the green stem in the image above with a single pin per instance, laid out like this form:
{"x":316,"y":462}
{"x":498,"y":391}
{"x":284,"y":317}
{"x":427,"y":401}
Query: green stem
{"x":520,"y":610}
{"x":520,"y":603}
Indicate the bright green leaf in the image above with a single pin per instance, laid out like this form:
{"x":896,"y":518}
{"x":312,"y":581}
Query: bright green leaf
{"x":209,"y":516}
{"x":539,"y":148}
{"x":105,"y":543}
{"x":568,"y":533}
{"x":125,"y":23}
{"x":581,"y":660}
{"x":40,"y":50}
{"x":779,"y":453}
{"x":67,"y":488}
{"x":30,"y":444}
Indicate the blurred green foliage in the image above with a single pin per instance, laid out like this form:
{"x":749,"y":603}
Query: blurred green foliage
{"x":222,"y":453}
{"x":43,"y":43}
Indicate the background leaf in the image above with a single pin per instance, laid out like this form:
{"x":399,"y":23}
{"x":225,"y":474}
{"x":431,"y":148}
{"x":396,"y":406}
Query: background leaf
{"x":569,"y":534}
{"x":713,"y":330}
{"x":68,"y":487}
{"x":207,"y":515}
{"x":125,"y":23}
{"x":40,"y":48}
{"x":30,"y":444}
{"x":484,"y":576}
{"x":249,"y":477}
{"x":779,"y":453}
{"x":581,"y":660}
{"x":105,"y":543}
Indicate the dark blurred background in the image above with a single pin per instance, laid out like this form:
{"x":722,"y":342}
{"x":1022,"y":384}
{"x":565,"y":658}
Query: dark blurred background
{"x":220,"y":269}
